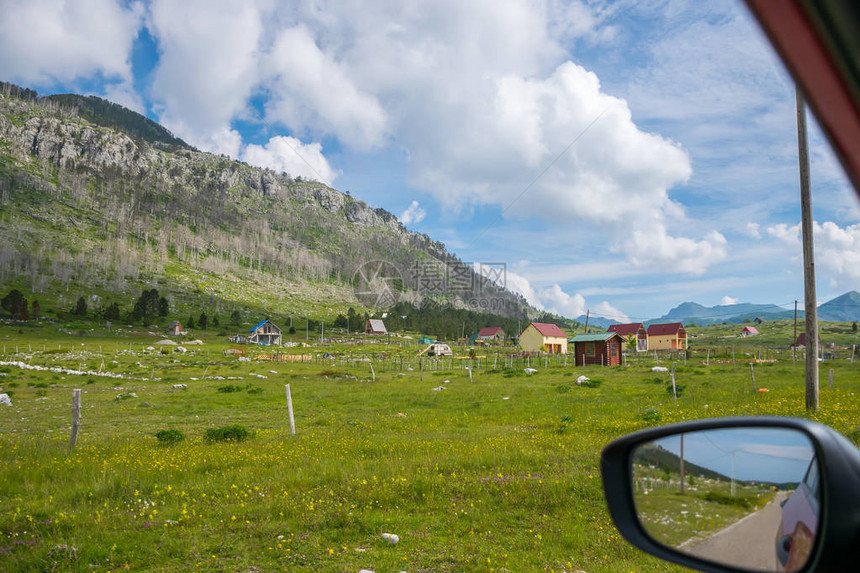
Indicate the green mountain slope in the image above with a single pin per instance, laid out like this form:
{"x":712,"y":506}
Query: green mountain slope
{"x":97,"y":201}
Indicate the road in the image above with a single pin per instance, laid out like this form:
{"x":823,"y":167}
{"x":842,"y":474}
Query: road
{"x":748,"y":544}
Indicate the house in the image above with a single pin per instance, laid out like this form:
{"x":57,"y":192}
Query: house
{"x":671,"y":336}
{"x":749,"y":331}
{"x":634,"y":329}
{"x":375,"y":326}
{"x":175,"y":328}
{"x":801,"y":340}
{"x":602,"y":348}
{"x":492,"y":334}
{"x":540,"y":336}
{"x":758,"y":320}
{"x":265,"y":333}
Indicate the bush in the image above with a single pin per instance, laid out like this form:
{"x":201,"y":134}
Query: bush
{"x":168,"y":437}
{"x":649,"y":415}
{"x":679,"y":388}
{"x":562,"y":388}
{"x":592,"y":383}
{"x":253,"y":389}
{"x":230,"y":388}
{"x":233,"y":433}
{"x":724,"y":499}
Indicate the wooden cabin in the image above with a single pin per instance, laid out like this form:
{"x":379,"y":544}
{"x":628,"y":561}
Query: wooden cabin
{"x":603,"y":348}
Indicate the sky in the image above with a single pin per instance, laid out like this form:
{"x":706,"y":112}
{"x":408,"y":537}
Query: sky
{"x":777,"y":455}
{"x":618,"y":157}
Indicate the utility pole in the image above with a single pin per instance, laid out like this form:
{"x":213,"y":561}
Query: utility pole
{"x":811,"y":308}
{"x":587,"y":311}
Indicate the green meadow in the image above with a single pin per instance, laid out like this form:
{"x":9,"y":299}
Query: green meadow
{"x":500,"y":473}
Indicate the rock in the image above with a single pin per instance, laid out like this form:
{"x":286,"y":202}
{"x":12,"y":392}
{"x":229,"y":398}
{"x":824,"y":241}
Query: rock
{"x":582,"y":379}
{"x":438,"y":388}
{"x":5,"y":400}
{"x":392,"y":538}
{"x":529,"y":371}
{"x":659,"y":369}
{"x":179,"y":386}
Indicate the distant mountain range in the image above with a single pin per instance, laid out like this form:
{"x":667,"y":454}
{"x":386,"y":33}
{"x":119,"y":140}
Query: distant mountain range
{"x":843,"y":308}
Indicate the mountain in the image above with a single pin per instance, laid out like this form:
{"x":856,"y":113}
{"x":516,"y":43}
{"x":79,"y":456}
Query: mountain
{"x":99,"y":202}
{"x":842,"y":308}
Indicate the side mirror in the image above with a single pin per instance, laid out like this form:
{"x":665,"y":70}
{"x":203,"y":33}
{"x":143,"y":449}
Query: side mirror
{"x":738,"y":494}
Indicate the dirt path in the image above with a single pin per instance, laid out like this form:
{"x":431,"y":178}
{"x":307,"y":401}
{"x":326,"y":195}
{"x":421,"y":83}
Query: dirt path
{"x":748,"y":544}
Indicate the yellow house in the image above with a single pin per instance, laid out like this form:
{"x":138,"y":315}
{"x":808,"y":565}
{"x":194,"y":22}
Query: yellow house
{"x":670,"y":336}
{"x":540,"y":336}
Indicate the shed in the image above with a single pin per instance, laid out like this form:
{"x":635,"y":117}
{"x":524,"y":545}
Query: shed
{"x":265,"y":333}
{"x":749,"y":331}
{"x":375,"y":326}
{"x":602,"y":348}
{"x":175,"y":328}
{"x":541,"y":336}
{"x":633,"y":329}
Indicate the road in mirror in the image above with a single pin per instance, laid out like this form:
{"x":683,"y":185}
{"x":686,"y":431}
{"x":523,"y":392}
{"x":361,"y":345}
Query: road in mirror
{"x":746,"y":497}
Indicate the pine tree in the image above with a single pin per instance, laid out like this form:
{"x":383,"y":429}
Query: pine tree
{"x":203,"y":321}
{"x":80,"y":307}
{"x":190,"y":323}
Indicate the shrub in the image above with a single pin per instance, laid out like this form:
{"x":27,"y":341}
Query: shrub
{"x":234,"y":433}
{"x":562,"y":388}
{"x":168,"y":437}
{"x":253,"y":389}
{"x":230,"y":388}
{"x":592,"y":382}
{"x":679,"y":388}
{"x":724,"y":499}
{"x":649,"y":414}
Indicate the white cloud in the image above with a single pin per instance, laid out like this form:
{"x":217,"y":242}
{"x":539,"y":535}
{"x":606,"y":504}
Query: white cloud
{"x":753,"y":230}
{"x":654,"y":248}
{"x":413,"y":214}
{"x":555,"y":300}
{"x":47,"y":41}
{"x":728,"y":301}
{"x":837,"y":250}
{"x":288,"y":154}
{"x":311,"y":92}
{"x":207,"y":68}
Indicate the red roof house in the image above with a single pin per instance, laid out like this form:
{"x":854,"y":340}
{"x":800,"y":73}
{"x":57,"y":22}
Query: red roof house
{"x":636,"y":329}
{"x":671,"y":336}
{"x":491,"y":333}
{"x":544,"y":337}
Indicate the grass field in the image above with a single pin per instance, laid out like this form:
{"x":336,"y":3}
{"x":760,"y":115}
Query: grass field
{"x":497,"y":474}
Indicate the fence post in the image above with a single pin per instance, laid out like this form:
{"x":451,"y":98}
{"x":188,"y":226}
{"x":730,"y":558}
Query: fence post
{"x":752,"y":375}
{"x":831,"y":377}
{"x":76,"y":418}
{"x":674,"y":388}
{"x":290,"y":410}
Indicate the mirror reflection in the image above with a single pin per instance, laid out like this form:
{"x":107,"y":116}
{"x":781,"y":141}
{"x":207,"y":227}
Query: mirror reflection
{"x":746,"y":497}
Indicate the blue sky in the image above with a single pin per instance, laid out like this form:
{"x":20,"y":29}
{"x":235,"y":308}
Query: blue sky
{"x":775,"y":455}
{"x":619,"y":157}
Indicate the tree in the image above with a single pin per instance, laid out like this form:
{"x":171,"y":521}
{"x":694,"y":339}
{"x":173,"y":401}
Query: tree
{"x":14,"y":303}
{"x":80,"y":307}
{"x":37,"y":308}
{"x":215,"y":322}
{"x":148,"y":306}
{"x":112,"y":312}
{"x":235,"y":318}
{"x":854,"y":327}
{"x":203,"y":321}
{"x":341,"y":321}
{"x":163,"y":307}
{"x":190,"y":323}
